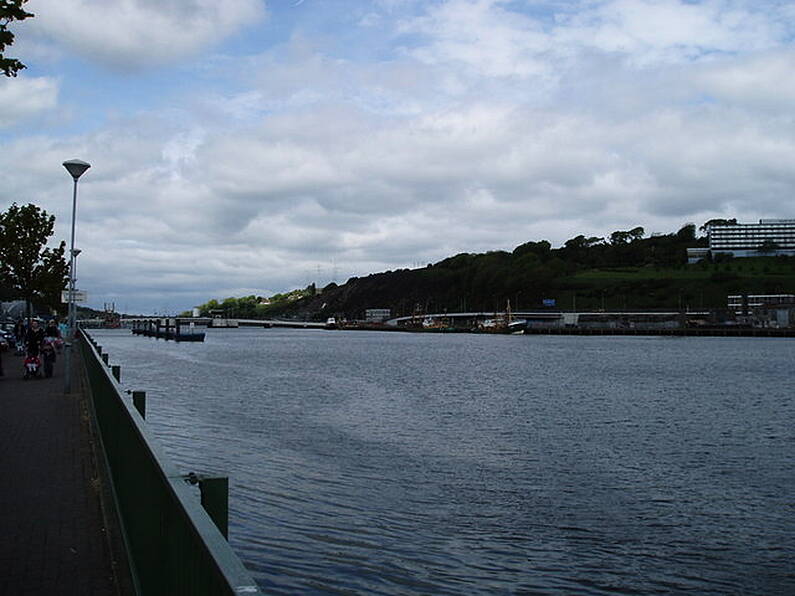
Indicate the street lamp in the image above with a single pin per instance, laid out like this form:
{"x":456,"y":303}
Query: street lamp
{"x":76,"y":168}
{"x":75,"y":253}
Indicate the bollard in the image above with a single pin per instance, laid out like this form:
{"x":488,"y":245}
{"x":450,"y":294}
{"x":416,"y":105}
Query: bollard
{"x":105,"y":358}
{"x":215,"y":500}
{"x":139,"y":401}
{"x":116,"y":370}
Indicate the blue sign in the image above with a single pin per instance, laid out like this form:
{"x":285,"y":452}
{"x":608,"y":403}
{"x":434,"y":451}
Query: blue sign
{"x":549,"y":302}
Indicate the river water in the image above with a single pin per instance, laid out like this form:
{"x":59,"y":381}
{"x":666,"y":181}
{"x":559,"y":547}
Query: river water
{"x":396,"y":463}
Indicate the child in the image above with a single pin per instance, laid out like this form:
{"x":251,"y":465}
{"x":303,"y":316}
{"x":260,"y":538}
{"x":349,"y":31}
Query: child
{"x":32,"y":364}
{"x":53,"y":333}
{"x":48,"y":356}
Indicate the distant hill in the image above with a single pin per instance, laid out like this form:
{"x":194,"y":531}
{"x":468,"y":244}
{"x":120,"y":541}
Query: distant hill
{"x":623,"y":271}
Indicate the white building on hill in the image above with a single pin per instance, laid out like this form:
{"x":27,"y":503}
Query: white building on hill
{"x":769,"y":237}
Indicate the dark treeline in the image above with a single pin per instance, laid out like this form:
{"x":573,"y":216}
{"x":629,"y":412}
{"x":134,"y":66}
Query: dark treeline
{"x":624,"y":270}
{"x":532,"y":272}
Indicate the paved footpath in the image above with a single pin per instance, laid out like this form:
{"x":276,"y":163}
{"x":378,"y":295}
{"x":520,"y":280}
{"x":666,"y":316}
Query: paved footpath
{"x":53,"y":537}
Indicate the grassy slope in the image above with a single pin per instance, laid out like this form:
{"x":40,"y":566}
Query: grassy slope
{"x":698,"y":286}
{"x":701,"y":286}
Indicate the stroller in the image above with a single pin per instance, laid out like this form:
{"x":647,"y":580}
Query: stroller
{"x":32,"y":365}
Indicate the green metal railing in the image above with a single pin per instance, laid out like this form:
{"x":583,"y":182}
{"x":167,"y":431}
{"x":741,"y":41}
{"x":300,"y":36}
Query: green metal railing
{"x":173,"y":545}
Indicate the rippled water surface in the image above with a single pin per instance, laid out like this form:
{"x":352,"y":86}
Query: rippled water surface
{"x":391,"y":463}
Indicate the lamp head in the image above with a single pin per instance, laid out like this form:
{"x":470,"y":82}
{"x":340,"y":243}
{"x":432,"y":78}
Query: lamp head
{"x":76,"y":167}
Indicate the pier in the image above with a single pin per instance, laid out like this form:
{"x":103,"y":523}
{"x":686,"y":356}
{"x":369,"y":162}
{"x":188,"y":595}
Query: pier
{"x":168,"y":329}
{"x":173,"y":328}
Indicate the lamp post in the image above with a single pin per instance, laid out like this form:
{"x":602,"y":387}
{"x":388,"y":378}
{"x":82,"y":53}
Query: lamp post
{"x":76,"y":168}
{"x":76,"y":253}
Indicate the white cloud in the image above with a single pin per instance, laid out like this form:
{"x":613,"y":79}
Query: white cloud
{"x":22,"y":98}
{"x":492,"y":39}
{"x":762,"y":81}
{"x":484,"y":36}
{"x":257,"y":208}
{"x":487,"y":129}
{"x":135,"y":34}
{"x":652,"y":31}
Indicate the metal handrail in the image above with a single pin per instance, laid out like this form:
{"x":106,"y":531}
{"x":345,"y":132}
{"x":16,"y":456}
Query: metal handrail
{"x":173,"y":546}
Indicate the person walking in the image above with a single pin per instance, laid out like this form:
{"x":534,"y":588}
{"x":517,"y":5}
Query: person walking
{"x":34,"y":338}
{"x":19,"y":331}
{"x":51,"y":330}
{"x":49,"y":346}
{"x":54,"y":334}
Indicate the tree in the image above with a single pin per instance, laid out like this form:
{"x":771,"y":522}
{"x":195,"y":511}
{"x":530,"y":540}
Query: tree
{"x":717,"y":222}
{"x":206,"y":308}
{"x":637,"y":233}
{"x":768,"y":246}
{"x":10,"y":11}
{"x":28,"y":269}
{"x":620,"y":237}
{"x":540,"y":249}
{"x":581,"y":243}
{"x":687,"y":233}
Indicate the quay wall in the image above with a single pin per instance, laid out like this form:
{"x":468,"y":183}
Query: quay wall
{"x":684,"y":331}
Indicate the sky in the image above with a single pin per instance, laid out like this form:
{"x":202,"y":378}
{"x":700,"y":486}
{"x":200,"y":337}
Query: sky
{"x":244,"y":147}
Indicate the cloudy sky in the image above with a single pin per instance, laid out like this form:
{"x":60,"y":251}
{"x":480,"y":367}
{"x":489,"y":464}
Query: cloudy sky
{"x":250,"y":146}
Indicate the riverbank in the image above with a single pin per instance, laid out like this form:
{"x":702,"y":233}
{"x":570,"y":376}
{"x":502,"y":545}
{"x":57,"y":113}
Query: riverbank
{"x":681,"y":332}
{"x":685,"y":332}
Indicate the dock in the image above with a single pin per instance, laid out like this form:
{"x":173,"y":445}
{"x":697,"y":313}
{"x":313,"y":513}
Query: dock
{"x":165,"y":330}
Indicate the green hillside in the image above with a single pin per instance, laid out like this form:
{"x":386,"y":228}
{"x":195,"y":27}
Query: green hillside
{"x":624,"y":271}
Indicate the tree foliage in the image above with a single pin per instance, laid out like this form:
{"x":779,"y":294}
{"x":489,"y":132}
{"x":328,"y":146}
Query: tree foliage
{"x":10,"y":11}
{"x":625,"y":270}
{"x":717,"y":222}
{"x":768,"y":246}
{"x":253,"y":307}
{"x":28,"y":268}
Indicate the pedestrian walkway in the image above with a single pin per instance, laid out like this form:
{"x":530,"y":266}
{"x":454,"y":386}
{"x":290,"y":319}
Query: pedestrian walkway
{"x":53,"y":535}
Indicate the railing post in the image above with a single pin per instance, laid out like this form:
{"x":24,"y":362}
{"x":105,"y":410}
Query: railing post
{"x":116,"y":370}
{"x":206,"y":565}
{"x":215,"y":500}
{"x":105,"y":358}
{"x":139,"y":401}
